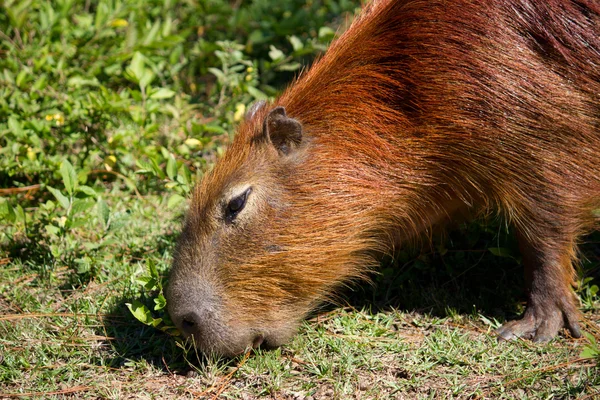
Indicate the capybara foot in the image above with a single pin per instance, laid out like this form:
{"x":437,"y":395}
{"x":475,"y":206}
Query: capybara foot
{"x":541,"y":325}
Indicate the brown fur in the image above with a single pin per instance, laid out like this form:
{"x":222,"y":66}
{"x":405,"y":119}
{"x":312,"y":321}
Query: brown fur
{"x":419,"y":111}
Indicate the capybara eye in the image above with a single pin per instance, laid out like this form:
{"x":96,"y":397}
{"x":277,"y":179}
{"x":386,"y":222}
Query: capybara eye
{"x":236,"y":205}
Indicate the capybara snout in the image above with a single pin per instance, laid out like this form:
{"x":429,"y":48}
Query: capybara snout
{"x":420,"y":111}
{"x":199,"y":308}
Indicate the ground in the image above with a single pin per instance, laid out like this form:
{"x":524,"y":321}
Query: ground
{"x":423,"y":337}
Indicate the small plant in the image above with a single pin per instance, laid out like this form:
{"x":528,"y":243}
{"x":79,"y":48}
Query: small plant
{"x":588,"y":293}
{"x":151,"y":283}
{"x":592,"y":349}
{"x":13,"y":215}
{"x":176,"y":176}
{"x":75,"y":200}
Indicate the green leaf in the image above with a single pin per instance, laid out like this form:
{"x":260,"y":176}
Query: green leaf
{"x":500,"y":251}
{"x":62,"y":199}
{"x":145,"y":167}
{"x":15,"y":127}
{"x":84,"y":265}
{"x":147,"y":78}
{"x":296,"y":43}
{"x":40,"y":83}
{"x":150,"y":36}
{"x":589,"y":352}
{"x":289,"y":66}
{"x":69,"y":176}
{"x":257,"y":94}
{"x":7,"y":212}
{"x":183,"y":177}
{"x":154,"y":274}
{"x":276,"y":54}
{"x":148,"y":282}
{"x":103,"y":211}
{"x":97,"y":245}
{"x":175,"y":200}
{"x":170,"y":330}
{"x":140,"y":312}
{"x":590,"y":338}
{"x":157,"y":170}
{"x":160,"y":302}
{"x":218,"y":73}
{"x":20,"y":215}
{"x":326,"y":33}
{"x":88,"y":191}
{"x":52,"y":230}
{"x":22,"y":77}
{"x":136,"y":66}
{"x":78,"y":81}
{"x":171,"y":167}
{"x":162,"y":93}
{"x":214,"y":129}
{"x":77,"y":222}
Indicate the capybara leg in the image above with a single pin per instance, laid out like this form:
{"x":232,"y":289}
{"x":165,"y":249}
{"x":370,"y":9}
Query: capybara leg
{"x":551,"y":303}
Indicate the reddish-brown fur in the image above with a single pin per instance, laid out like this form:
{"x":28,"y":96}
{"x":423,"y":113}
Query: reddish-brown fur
{"x":419,"y":111}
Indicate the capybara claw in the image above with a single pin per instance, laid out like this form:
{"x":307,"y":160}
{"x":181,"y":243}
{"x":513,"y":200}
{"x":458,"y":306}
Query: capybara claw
{"x":542,"y":328}
{"x":515,"y":330}
{"x":575,"y":330}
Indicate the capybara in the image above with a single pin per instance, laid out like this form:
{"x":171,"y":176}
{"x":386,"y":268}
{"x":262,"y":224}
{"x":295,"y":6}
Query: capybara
{"x":422,"y":110}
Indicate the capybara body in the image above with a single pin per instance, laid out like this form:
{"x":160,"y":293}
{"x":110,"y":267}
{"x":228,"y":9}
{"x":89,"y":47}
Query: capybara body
{"x":420,"y":111}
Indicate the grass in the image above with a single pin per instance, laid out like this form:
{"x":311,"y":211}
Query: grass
{"x":108,"y":113}
{"x":60,"y":336}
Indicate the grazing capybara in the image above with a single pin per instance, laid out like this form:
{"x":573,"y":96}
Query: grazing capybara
{"x":420,"y":111}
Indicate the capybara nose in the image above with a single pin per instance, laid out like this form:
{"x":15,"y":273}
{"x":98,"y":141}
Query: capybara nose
{"x":191,"y":324}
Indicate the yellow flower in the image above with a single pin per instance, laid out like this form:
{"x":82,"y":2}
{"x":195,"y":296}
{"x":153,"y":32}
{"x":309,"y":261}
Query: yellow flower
{"x":119,"y":23}
{"x":109,"y":162}
{"x":192,"y":142}
{"x":240,"y":111}
{"x":59,"y":118}
{"x":31,"y":154}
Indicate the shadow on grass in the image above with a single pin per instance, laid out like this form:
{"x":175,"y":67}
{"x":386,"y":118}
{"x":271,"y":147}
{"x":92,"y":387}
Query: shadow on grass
{"x":29,"y":248}
{"x":475,"y":269}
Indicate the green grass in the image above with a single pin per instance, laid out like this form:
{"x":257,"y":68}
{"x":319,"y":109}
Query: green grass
{"x":58,"y":333}
{"x":108,"y":113}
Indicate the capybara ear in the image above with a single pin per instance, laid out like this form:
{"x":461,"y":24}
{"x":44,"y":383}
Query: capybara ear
{"x":254,"y":108}
{"x":285,"y":133}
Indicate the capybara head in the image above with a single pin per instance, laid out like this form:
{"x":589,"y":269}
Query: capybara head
{"x":249,"y":264}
